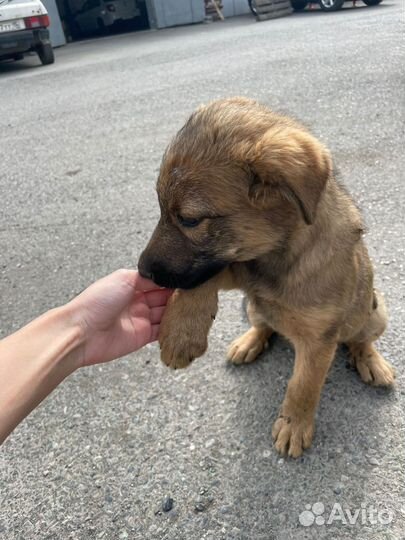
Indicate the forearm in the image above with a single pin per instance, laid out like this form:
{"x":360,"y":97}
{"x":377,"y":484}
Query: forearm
{"x":33,"y":361}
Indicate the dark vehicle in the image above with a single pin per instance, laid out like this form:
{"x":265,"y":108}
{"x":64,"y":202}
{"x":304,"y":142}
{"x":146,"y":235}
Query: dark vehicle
{"x":325,"y":5}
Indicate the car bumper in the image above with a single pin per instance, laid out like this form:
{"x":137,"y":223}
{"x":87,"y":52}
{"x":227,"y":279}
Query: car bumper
{"x":12,"y":43}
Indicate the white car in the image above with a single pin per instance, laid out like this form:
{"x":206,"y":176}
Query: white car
{"x":99,"y":15}
{"x":23,"y":28}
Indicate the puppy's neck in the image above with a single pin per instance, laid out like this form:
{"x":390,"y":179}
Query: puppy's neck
{"x":306,"y":249}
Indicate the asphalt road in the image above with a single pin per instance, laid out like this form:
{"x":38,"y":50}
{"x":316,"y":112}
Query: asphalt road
{"x":81,"y":142}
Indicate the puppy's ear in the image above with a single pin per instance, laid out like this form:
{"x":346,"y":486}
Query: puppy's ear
{"x":292,"y":162}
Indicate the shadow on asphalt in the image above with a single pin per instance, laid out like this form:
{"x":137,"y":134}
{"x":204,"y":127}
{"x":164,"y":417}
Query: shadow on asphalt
{"x":348,"y":430}
{"x":31,"y":61}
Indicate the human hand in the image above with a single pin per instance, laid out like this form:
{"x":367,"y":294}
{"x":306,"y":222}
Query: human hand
{"x":118,"y":315}
{"x":113,"y":317}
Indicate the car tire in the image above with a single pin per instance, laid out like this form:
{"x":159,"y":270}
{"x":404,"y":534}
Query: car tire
{"x":331,"y":5}
{"x":299,"y":5}
{"x":45,"y":53}
{"x":372,"y":2}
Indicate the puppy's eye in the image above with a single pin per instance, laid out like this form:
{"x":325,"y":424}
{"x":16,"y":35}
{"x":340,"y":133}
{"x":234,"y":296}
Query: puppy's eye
{"x":188,"y":222}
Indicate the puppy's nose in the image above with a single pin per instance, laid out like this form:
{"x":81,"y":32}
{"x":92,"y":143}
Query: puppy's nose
{"x":148,"y":275}
{"x":145,"y":273}
{"x":144,"y":268}
{"x":152,"y":267}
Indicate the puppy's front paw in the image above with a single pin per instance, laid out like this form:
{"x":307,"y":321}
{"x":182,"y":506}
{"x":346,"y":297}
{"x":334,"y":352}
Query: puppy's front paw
{"x":292,"y":435}
{"x":179,"y":351}
{"x":184,"y":329}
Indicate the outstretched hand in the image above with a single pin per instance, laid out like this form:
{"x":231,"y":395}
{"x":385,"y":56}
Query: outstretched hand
{"x":113,"y":317}
{"x":118,"y":314}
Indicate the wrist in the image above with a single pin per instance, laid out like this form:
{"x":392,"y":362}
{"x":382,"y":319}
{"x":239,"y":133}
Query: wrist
{"x":34,"y":361}
{"x":71,"y":332}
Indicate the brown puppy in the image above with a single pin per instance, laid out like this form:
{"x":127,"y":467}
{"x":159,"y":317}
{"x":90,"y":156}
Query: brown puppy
{"x":248,"y":200}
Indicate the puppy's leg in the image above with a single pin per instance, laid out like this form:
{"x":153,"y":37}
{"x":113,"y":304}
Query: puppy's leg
{"x":187,"y":320}
{"x":248,"y":346}
{"x":372,"y":367}
{"x":293,"y":430}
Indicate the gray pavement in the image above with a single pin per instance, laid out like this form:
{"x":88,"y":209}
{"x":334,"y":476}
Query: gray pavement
{"x":81,"y":142}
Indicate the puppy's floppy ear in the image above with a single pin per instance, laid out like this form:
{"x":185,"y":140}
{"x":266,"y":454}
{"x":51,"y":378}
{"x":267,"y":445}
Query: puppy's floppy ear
{"x":292,"y":162}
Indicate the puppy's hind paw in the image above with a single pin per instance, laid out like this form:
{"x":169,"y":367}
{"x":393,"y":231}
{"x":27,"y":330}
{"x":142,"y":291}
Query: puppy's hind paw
{"x":371,"y":366}
{"x":246,"y":348}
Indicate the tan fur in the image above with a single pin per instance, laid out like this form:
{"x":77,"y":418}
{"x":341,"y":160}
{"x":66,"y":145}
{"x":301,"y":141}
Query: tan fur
{"x":272,"y":221}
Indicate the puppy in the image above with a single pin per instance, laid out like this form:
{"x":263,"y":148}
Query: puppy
{"x":248,"y":200}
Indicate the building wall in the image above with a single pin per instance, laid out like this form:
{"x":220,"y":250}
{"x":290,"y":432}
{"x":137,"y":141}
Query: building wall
{"x":164,"y":13}
{"x":57,"y":35}
{"x":235,"y":7}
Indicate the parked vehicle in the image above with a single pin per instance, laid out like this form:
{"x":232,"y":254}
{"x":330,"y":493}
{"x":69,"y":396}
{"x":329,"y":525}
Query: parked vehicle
{"x":328,"y":5}
{"x":100,"y":15}
{"x":24,"y":28}
{"x":325,"y":5}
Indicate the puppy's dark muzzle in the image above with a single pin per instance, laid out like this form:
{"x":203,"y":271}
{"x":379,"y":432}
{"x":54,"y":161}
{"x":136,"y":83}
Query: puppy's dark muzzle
{"x":152,"y":269}
{"x":162,"y":275}
{"x":158,"y":273}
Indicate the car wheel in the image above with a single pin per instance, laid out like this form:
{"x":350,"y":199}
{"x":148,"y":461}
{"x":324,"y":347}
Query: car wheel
{"x":372,"y":2}
{"x":331,"y":5}
{"x":299,"y":5}
{"x":45,"y":53}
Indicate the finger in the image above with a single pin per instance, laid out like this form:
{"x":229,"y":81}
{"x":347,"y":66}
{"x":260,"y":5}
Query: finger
{"x":156,"y":314}
{"x":106,"y":282}
{"x":143,"y":284}
{"x":157,"y":298}
{"x":155,"y":332}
